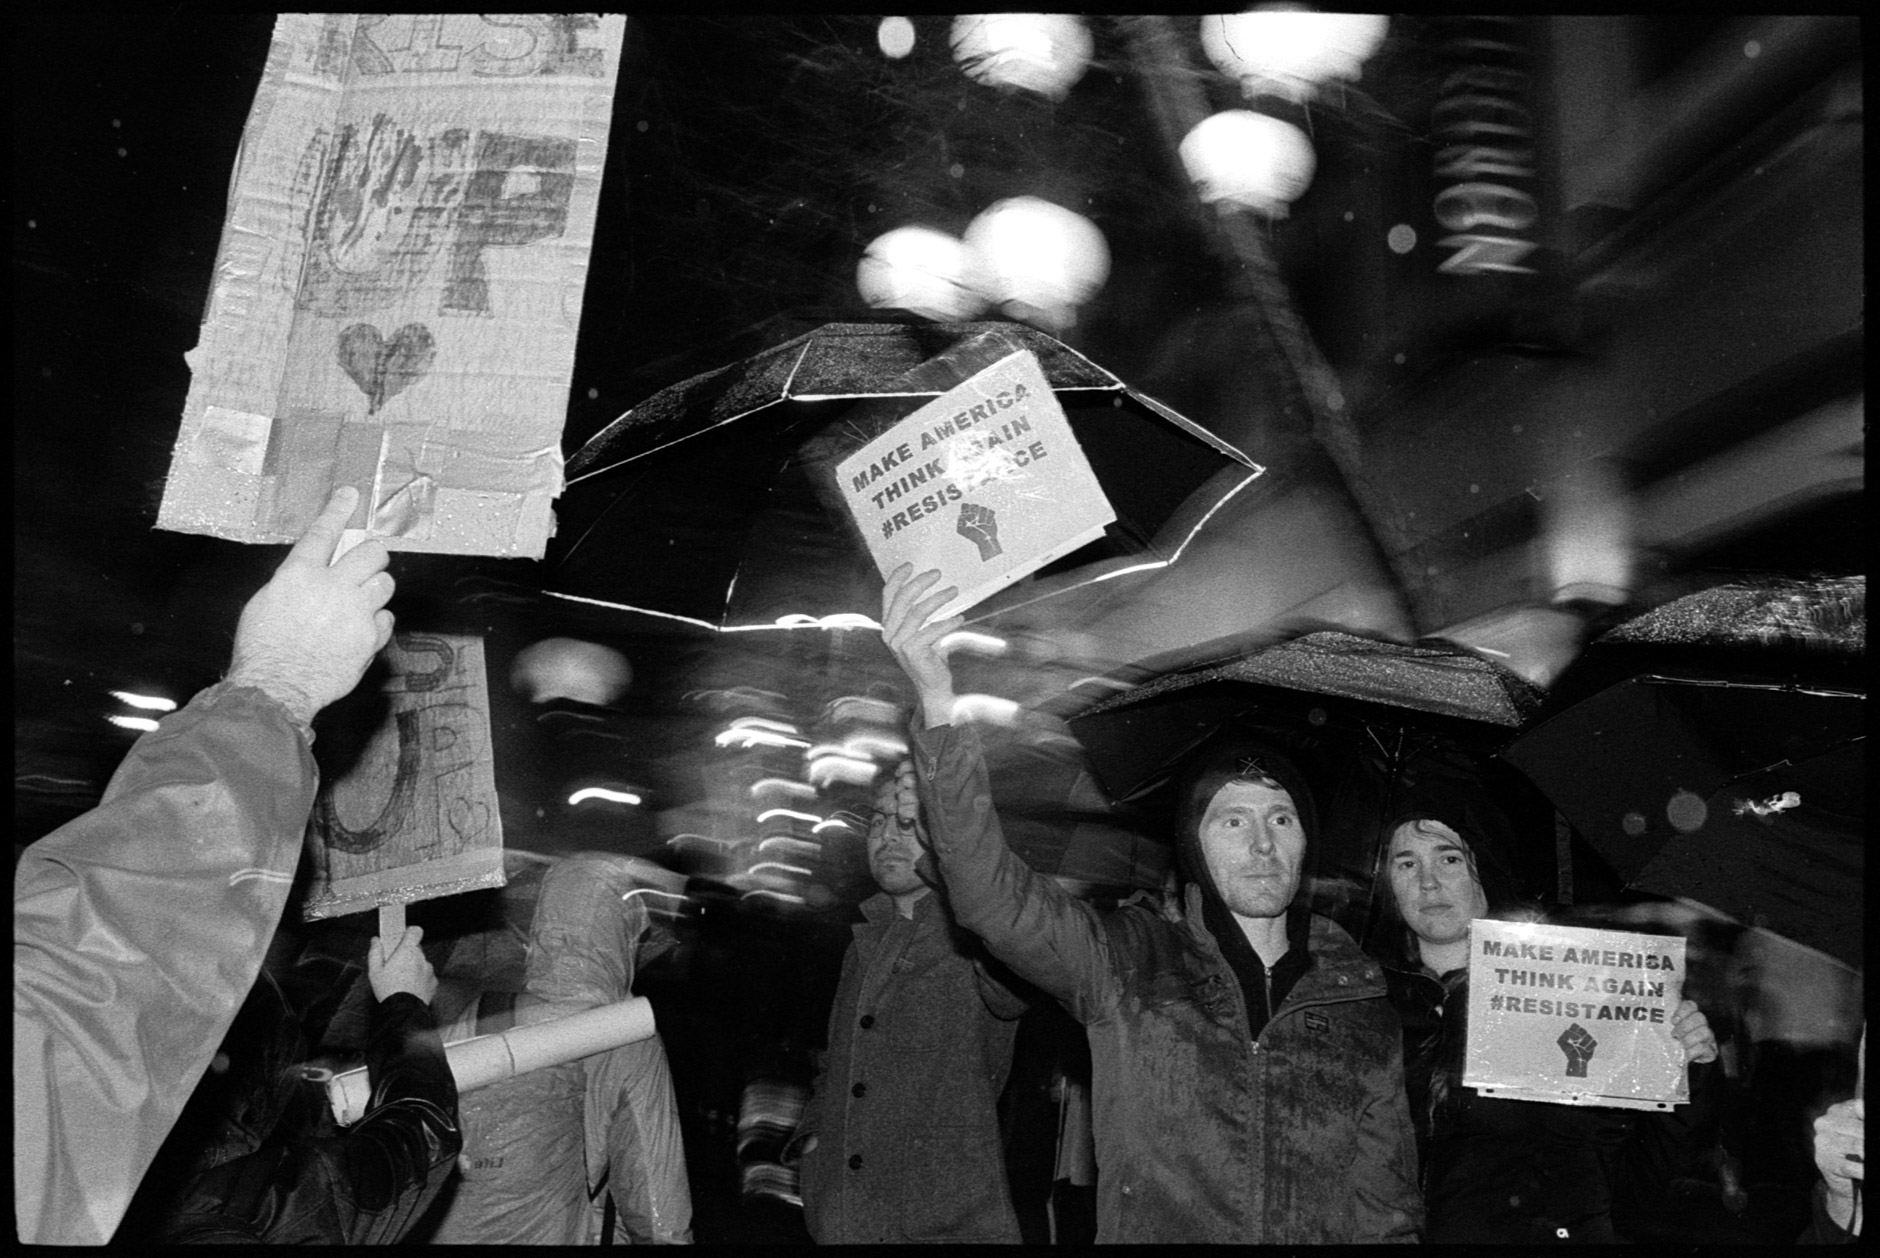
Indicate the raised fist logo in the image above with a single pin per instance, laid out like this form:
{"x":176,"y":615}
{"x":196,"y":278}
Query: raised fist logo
{"x":1578,"y":1044}
{"x":980,"y":526}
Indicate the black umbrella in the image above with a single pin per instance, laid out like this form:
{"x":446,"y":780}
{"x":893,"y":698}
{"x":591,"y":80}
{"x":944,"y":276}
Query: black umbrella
{"x":1367,"y":719}
{"x":706,"y":502}
{"x":1745,"y":796}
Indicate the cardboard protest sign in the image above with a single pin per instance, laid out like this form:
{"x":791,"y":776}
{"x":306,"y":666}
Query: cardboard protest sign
{"x":416,"y":815}
{"x":399,"y":283}
{"x":986,"y":483}
{"x":1575,"y":1016}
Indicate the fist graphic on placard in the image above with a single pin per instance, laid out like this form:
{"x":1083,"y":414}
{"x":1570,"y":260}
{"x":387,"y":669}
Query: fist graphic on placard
{"x":1578,"y":1044}
{"x":980,"y":526}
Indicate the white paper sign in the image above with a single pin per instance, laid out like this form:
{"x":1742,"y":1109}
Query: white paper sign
{"x":986,"y":483}
{"x":1575,"y":1016}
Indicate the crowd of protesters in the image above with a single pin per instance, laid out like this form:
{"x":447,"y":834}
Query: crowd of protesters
{"x":1248,"y":1073}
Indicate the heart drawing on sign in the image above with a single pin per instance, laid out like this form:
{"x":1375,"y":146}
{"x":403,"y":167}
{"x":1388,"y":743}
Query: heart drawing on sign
{"x":383,"y":369}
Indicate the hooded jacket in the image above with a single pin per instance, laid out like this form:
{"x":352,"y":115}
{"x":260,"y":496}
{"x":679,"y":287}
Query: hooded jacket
{"x":138,"y":929}
{"x":1496,"y":1170}
{"x":1204,"y":1132}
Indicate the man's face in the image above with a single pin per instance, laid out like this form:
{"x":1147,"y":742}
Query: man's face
{"x":1435,"y":884}
{"x":895,"y":838}
{"x":1253,"y":844}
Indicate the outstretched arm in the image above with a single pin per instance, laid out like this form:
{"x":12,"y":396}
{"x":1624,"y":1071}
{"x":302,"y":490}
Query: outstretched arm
{"x":1045,"y":935}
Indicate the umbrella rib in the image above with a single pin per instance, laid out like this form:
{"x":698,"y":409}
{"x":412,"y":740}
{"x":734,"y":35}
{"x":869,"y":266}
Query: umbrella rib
{"x":1715,"y":683}
{"x":1787,"y":761}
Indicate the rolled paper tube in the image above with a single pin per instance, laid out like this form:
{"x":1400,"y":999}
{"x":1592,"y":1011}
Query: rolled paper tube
{"x":486,"y":1059}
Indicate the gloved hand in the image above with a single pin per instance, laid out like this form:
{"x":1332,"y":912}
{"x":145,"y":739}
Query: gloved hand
{"x":402,"y":969}
{"x":307,"y":636}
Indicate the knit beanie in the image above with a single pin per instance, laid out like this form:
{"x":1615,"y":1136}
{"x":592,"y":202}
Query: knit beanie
{"x":1238,"y":759}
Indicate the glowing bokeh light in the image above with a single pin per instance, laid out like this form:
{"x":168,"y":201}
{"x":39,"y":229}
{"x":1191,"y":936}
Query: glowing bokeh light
{"x":919,"y":269}
{"x":895,"y":36}
{"x":566,"y":668}
{"x":141,"y":723}
{"x":1248,"y":159}
{"x":1044,"y":53}
{"x":1032,"y":253}
{"x":1290,"y":50}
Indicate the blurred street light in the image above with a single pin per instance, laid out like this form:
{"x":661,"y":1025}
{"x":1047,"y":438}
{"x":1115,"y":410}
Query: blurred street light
{"x":1044,"y":53}
{"x":1248,"y":159}
{"x":1290,"y":50}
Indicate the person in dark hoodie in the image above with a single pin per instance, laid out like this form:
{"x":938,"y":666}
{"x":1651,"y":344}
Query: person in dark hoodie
{"x":1247,"y":1081}
{"x":1496,"y":1170}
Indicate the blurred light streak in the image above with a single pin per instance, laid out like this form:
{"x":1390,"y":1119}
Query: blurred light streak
{"x":147,"y":703}
{"x":747,"y":738}
{"x":986,"y":709}
{"x":768,"y":813}
{"x":808,"y":848}
{"x":842,"y":822}
{"x":867,"y":746}
{"x":788,"y":869}
{"x":864,"y":708}
{"x":143,"y":723}
{"x":702,"y":838}
{"x":827,"y":769}
{"x":787,"y":785}
{"x":796,"y":620}
{"x":601,"y":792}
{"x":676,"y":895}
{"x":973,"y":641}
{"x":785,"y":896}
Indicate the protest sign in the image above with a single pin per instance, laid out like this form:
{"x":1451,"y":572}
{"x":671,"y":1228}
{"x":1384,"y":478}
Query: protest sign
{"x":1574,"y":1016}
{"x":415,"y":816}
{"x":986,"y":483}
{"x":399,"y":283}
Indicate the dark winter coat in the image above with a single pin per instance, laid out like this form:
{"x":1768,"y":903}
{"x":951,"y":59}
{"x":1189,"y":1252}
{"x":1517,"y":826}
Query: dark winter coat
{"x":364,"y":1186}
{"x":1203,"y":1134}
{"x":1504,"y":1171}
{"x":905,"y":1110}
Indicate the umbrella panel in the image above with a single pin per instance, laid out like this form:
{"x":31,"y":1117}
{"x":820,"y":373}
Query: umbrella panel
{"x":1626,"y":765}
{"x":1798,"y":871}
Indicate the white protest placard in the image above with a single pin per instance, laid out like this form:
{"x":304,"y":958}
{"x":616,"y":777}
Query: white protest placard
{"x":399,"y":284}
{"x":1575,"y":1016}
{"x":416,"y":815}
{"x":986,"y":483}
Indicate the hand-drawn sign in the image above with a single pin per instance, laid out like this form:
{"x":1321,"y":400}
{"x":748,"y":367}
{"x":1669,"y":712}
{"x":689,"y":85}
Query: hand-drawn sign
{"x":399,"y":285}
{"x":416,"y":816}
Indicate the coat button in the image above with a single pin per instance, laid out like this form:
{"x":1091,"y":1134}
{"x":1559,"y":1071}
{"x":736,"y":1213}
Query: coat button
{"x":860,"y":1089}
{"x":855,"y":1161}
{"x":1343,"y":979}
{"x":868,"y":1020}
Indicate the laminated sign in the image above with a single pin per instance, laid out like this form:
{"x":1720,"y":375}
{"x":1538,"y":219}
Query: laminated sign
{"x":985,"y":483}
{"x":415,"y":816}
{"x":399,"y":283}
{"x":1575,"y":1016}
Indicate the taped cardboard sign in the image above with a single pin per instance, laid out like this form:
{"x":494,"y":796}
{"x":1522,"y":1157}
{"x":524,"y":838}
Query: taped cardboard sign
{"x":399,"y":284}
{"x":416,"y":814}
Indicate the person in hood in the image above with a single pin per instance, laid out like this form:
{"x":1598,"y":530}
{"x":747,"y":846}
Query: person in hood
{"x":1247,"y":1080}
{"x":1496,"y":1170}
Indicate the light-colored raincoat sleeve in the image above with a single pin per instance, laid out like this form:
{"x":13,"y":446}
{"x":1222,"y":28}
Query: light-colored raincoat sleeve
{"x":138,"y":929}
{"x":1047,"y":936}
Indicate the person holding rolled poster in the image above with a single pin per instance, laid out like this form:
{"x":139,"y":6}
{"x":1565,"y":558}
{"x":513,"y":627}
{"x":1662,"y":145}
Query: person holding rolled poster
{"x":900,"y":1138}
{"x":1246,"y":1082}
{"x":367,"y":1184}
{"x":545,"y":1151}
{"x":1496,"y":1170}
{"x":139,"y":927}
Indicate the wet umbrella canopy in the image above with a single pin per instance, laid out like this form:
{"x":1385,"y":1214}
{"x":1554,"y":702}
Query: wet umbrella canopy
{"x":709,"y":501}
{"x":1366,"y":718}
